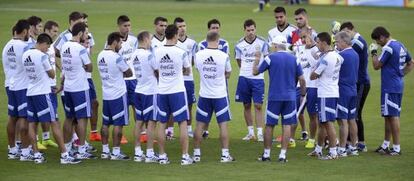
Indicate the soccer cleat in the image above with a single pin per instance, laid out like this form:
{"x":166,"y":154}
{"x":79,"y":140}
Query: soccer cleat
{"x":40,"y":146}
{"x":91,"y":149}
{"x":197,"y":158}
{"x":151,"y":159}
{"x":263,"y":159}
{"x":163,"y":161}
{"x":342,"y":154}
{"x":260,"y":138}
{"x":292,"y":144}
{"x":49,"y":142}
{"x":69,"y":160}
{"x":353,"y":152}
{"x":139,"y":158}
{"x":382,"y":151}
{"x":187,"y":160}
{"x":190,"y":134}
{"x":362,"y":147}
{"x":12,"y":156}
{"x":256,"y":10}
{"x":267,"y":5}
{"x":394,"y":153}
{"x":124,"y":140}
{"x":310,"y":144}
{"x":27,"y":158}
{"x":205,"y":134}
{"x":227,"y":159}
{"x":170,"y":136}
{"x":105,"y":155}
{"x":85,"y":156}
{"x":249,"y":137}
{"x":329,"y":156}
{"x":95,"y":137}
{"x":304,"y":136}
{"x":315,"y":154}
{"x":39,"y":159}
{"x":120,"y":156}
{"x":282,"y":160}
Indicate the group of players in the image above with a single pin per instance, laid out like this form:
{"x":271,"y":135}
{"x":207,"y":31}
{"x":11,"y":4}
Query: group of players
{"x":153,"y":74}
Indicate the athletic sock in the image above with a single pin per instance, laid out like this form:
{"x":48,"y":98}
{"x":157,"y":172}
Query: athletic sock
{"x":116,"y":150}
{"x":396,"y":148}
{"x":138,"y":150}
{"x":282,"y":153}
{"x":46,"y":135}
{"x":197,"y":151}
{"x":251,"y":130}
{"x":259,"y":131}
{"x":266,"y":153}
{"x":385,"y":144}
{"x":105,"y":148}
{"x":225,"y":152}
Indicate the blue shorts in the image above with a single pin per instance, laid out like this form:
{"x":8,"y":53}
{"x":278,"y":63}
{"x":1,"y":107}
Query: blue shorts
{"x":189,"y":87}
{"x":285,"y":108}
{"x":206,"y":107}
{"x":131,"y":85}
{"x":175,"y":104}
{"x":327,"y":109}
{"x":248,"y":89}
{"x":346,"y":107}
{"x":115,"y":112}
{"x":17,"y":103}
{"x":145,"y":107}
{"x":391,"y":104}
{"x":53,"y":99}
{"x":40,"y":108}
{"x":312,"y":100}
{"x":92,"y":91}
{"x":77,"y":104}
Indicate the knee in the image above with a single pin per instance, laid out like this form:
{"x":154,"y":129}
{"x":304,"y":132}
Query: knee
{"x":258,"y":107}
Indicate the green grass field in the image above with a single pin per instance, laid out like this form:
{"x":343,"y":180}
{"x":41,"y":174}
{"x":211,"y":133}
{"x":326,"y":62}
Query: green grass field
{"x":102,"y":20}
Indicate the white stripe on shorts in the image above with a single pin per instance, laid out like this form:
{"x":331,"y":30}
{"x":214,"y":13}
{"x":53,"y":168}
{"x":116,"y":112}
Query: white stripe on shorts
{"x":203,"y":113}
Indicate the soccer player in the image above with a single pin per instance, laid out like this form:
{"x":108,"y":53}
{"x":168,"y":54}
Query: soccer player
{"x":308,"y":59}
{"x":262,"y":4}
{"x":363,"y":85}
{"x":189,"y":45}
{"x":16,"y":87}
{"x":251,"y":87}
{"x":284,"y":72}
{"x":74,"y":17}
{"x":75,"y":64}
{"x":129,"y":45}
{"x":36,"y":27}
{"x":214,"y":68}
{"x":113,"y":69}
{"x":172,"y":62}
{"x":348,"y":76}
{"x":395,"y":62}
{"x":158,"y":40}
{"x":145,"y":97}
{"x":40,"y":106}
{"x":327,"y":73}
{"x":283,"y":28}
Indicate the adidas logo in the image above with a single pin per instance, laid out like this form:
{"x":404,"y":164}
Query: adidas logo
{"x":136,"y":61}
{"x":102,"y":62}
{"x":209,"y":61}
{"x":166,"y":59}
{"x":10,"y":52}
{"x":67,"y":51}
{"x":28,"y":61}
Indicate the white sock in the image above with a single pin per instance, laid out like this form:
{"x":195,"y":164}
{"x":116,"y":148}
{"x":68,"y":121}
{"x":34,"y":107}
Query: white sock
{"x":318,"y":149}
{"x":189,"y":128}
{"x":332,"y":151}
{"x":116,"y":150}
{"x":164,"y":155}
{"x":13,"y":150}
{"x":63,"y":155}
{"x":171,"y":130}
{"x":259,"y":131}
{"x":197,"y":151}
{"x":396,"y":148}
{"x":251,"y":130}
{"x":82,"y":149}
{"x":46,"y":135}
{"x":266,"y":153}
{"x":37,"y":137}
{"x":385,"y":144}
{"x":68,"y":146}
{"x":186,"y":155}
{"x":352,"y":148}
{"x":105,"y":148}
{"x":144,"y":131}
{"x":74,"y":137}
{"x":150,"y":152}
{"x":282,"y":153}
{"x":292,"y":140}
{"x":138,"y":150}
{"x":225,"y":152}
{"x":94,"y":131}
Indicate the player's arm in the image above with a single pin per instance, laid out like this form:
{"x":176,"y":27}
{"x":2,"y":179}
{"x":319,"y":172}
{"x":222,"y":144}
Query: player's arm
{"x":227,"y":72}
{"x":319,"y":70}
{"x":408,"y":67}
{"x":376,"y":62}
{"x":58,"y":64}
{"x":263,"y":66}
{"x":87,"y":65}
{"x":301,"y":79}
{"x":47,"y":67}
{"x":186,"y":64}
{"x":237,"y":55}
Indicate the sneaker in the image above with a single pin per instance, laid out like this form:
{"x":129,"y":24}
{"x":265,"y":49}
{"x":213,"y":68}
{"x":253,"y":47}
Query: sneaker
{"x":49,"y":142}
{"x":124,"y":140}
{"x":170,"y":136}
{"x":315,"y":154}
{"x":263,"y":159}
{"x":40,"y":146}
{"x":394,"y":153}
{"x":39,"y":159}
{"x":151,"y":159}
{"x":69,"y":160}
{"x":120,"y":156}
{"x":260,"y":138}
{"x":329,"y":156}
{"x":249,"y":137}
{"x":382,"y":151}
{"x":163,"y":161}
{"x":267,"y":5}
{"x":91,"y":149}
{"x":342,"y":154}
{"x":362,"y":147}
{"x":105,"y":155}
{"x":256,"y":10}
{"x":85,"y":156}
{"x":227,"y":159}
{"x":353,"y":152}
{"x":304,"y":136}
{"x":205,"y":134}
{"x":12,"y":156}
{"x":197,"y":158}
{"x":27,"y":158}
{"x":139,"y":158}
{"x":95,"y":136}
{"x":292,"y":144}
{"x":144,"y":138}
{"x":190,"y":134}
{"x":187,"y":161}
{"x":310,"y":144}
{"x":282,"y":160}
